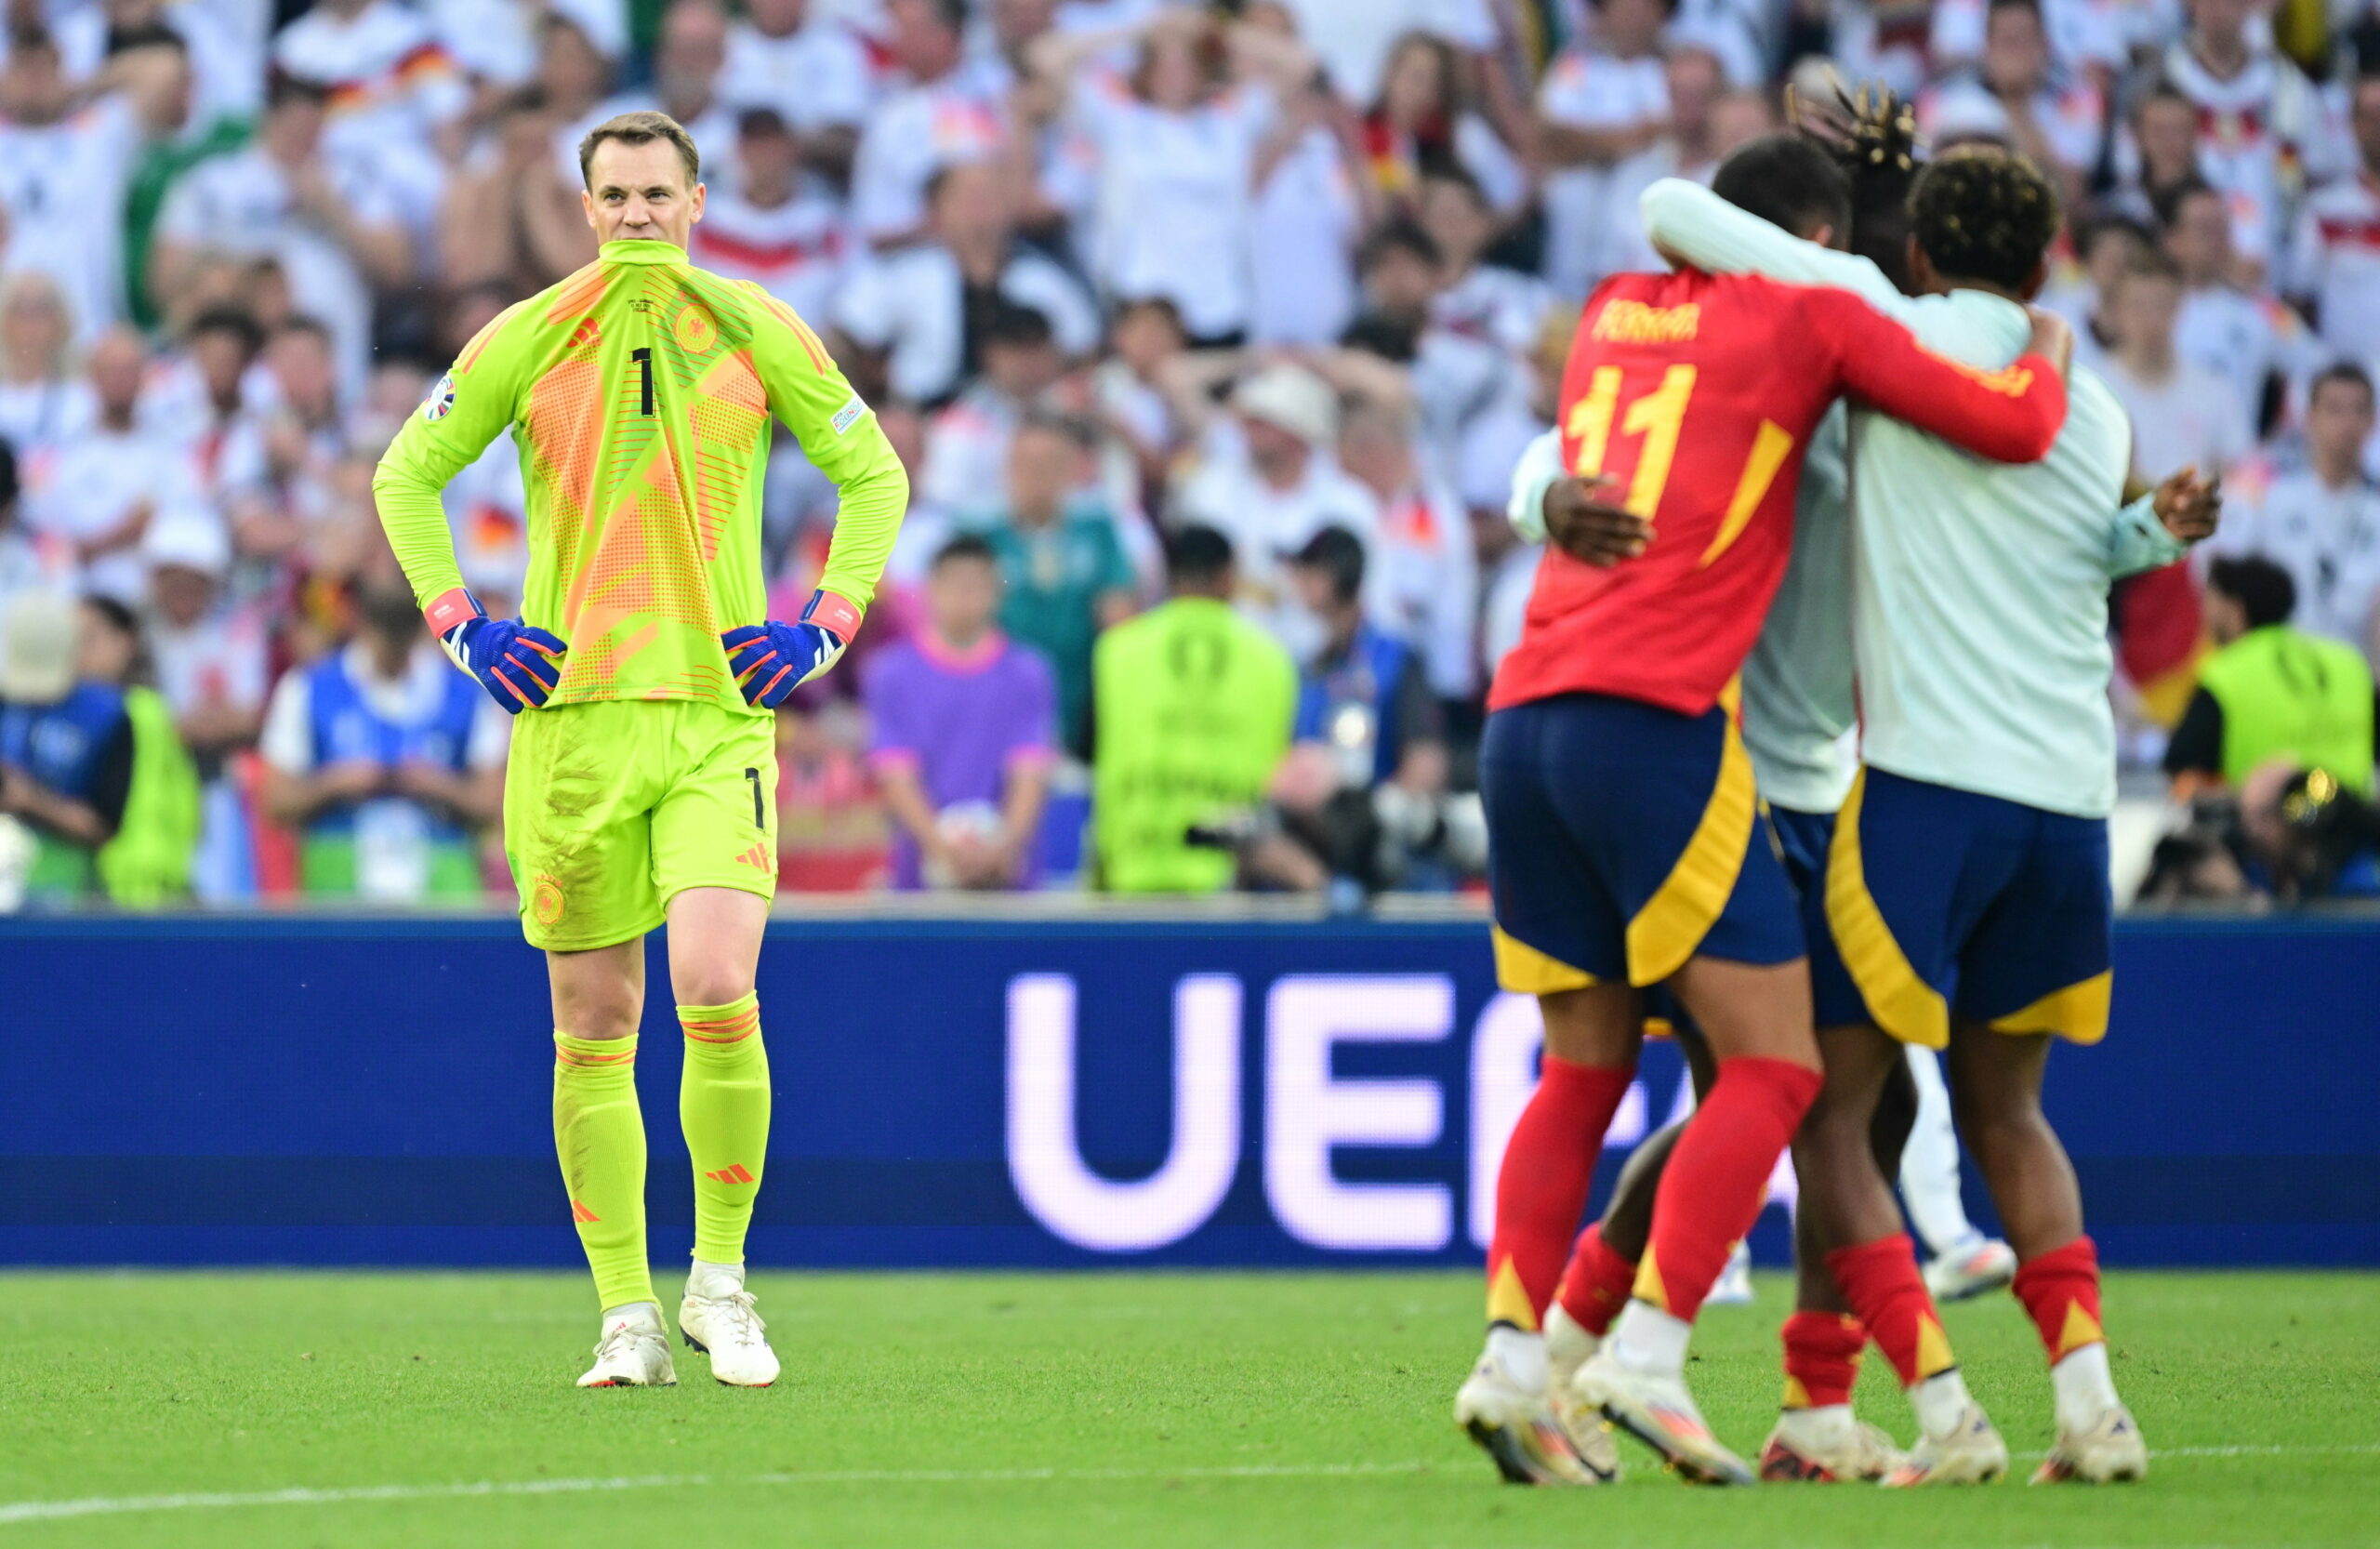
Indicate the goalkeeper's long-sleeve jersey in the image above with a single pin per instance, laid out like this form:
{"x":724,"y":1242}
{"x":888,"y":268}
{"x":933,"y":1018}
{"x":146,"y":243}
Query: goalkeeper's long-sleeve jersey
{"x":641,"y":392}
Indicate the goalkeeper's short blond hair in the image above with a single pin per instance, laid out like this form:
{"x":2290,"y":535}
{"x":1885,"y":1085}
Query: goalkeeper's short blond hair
{"x":640,"y":128}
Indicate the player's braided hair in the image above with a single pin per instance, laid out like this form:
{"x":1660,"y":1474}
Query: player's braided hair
{"x":1982,"y":212}
{"x":1872,"y":138}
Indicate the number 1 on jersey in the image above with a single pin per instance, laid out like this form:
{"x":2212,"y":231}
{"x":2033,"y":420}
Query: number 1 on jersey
{"x":1659,"y":417}
{"x":643,"y":358}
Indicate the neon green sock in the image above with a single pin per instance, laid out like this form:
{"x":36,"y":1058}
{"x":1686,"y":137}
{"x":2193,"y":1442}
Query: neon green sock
{"x":723,"y":1104}
{"x":599,"y":1133}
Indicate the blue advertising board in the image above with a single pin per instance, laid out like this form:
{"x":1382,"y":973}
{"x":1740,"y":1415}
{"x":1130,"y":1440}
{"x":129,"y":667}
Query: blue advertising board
{"x":1079,"y":1093}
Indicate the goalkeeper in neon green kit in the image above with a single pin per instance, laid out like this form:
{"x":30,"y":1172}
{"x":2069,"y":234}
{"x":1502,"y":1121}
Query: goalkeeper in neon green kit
{"x":642,"y":780}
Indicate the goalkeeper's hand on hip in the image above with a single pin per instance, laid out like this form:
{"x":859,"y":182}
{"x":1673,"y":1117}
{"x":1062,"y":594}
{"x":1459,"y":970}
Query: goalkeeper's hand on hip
{"x":518,"y":664}
{"x":771,"y":660}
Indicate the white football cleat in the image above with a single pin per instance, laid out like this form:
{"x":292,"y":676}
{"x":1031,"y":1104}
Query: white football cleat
{"x":1516,"y":1428}
{"x":1568,"y":1347}
{"x":718,"y":1319}
{"x":1969,"y":1453}
{"x":1733,"y":1287}
{"x":1971,"y":1271}
{"x":2111,"y":1451}
{"x":1657,"y":1409}
{"x":634,"y":1352}
{"x":1827,"y":1447}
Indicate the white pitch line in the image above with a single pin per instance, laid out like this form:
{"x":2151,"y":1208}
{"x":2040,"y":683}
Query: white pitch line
{"x":111,"y":1505}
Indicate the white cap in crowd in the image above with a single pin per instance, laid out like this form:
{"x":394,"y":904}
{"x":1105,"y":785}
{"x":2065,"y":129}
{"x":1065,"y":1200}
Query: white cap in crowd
{"x":37,"y":648}
{"x":1292,"y":399}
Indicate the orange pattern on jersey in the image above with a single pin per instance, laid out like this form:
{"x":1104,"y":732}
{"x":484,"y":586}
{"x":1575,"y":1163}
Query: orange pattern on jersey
{"x":793,"y":320}
{"x":565,"y":426}
{"x":487,"y":332}
{"x":728,"y":414}
{"x":578,"y":293}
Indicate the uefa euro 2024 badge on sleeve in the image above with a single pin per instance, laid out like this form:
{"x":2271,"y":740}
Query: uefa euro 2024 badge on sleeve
{"x":441,"y":402}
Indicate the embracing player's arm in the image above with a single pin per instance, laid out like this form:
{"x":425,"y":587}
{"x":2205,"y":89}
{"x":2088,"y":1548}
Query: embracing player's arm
{"x":840,"y":437}
{"x":519,"y":665}
{"x":1693,"y":225}
{"x":2011,"y":415}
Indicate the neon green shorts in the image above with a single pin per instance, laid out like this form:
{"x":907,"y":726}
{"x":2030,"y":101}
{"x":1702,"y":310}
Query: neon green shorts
{"x":613,"y":809}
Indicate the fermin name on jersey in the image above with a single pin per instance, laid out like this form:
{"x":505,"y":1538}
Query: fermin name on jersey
{"x":1627,"y":321}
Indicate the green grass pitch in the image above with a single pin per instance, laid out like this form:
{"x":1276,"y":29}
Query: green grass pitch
{"x":1123,"y":1410}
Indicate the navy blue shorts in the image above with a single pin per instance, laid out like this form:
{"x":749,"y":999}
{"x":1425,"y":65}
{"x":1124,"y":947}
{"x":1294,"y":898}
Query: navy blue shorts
{"x":1942,"y":903}
{"x":1624,"y":838}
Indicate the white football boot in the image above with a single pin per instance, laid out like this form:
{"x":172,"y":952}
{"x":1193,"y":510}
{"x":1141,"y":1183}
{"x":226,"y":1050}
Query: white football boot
{"x":1968,"y":1453}
{"x":1505,"y":1411}
{"x":1656,"y":1408}
{"x":2109,"y":1451}
{"x":718,"y":1319}
{"x":634,"y":1351}
{"x":1971,"y":1270}
{"x":1733,"y":1287}
{"x":1568,"y":1347}
{"x":1827,"y":1446}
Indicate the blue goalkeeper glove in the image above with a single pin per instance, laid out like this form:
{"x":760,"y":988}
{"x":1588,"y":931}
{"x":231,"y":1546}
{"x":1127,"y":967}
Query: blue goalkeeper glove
{"x":771,"y":660}
{"x":518,"y":665}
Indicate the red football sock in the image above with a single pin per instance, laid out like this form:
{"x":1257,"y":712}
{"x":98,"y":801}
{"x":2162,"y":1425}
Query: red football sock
{"x":1821,"y":1358}
{"x":1596,"y":1285}
{"x":2061,"y":1290}
{"x":1542,"y":1188}
{"x":1718,"y":1176}
{"x":1881,"y":1281}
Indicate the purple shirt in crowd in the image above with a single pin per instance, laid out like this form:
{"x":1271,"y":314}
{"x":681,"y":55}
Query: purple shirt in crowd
{"x":962,"y":720}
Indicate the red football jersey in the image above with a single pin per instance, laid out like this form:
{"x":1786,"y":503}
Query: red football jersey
{"x":1698,"y":392}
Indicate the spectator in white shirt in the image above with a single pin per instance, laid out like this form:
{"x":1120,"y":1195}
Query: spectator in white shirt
{"x":396,"y":100}
{"x":1422,"y":123}
{"x":688,"y":59}
{"x":108,"y":481}
{"x":1425,"y":592}
{"x":1601,"y":102}
{"x":201,"y":404}
{"x":210,"y":658}
{"x":2337,"y":250}
{"x":1267,"y":481}
{"x":2108,"y":246}
{"x":966,"y":444}
{"x":41,"y":403}
{"x":1706,"y":121}
{"x":2322,"y":522}
{"x":918,"y":316}
{"x":1454,"y":378}
{"x":2055,"y":119}
{"x":2262,"y":127}
{"x":335,"y":235}
{"x":1475,"y":299}
{"x":945,"y":116}
{"x":782,"y":228}
{"x":2251,"y":342}
{"x":812,"y":71}
{"x":1304,"y":225}
{"x":2182,"y":413}
{"x":275,"y":475}
{"x":62,"y":177}
{"x":1177,"y":143}
{"x":2160,"y":151}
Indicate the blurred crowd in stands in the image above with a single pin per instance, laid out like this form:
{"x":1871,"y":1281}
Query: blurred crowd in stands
{"x":1210,"y":334}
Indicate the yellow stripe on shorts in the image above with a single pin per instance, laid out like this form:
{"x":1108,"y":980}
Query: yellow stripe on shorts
{"x":1903,"y":1004}
{"x":1526,"y":970}
{"x":1674,"y":921}
{"x":2077,"y":1013}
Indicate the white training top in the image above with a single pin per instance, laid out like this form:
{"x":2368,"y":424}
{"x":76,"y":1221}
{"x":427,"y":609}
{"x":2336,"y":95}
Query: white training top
{"x":1980,"y":595}
{"x":1798,"y":695}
